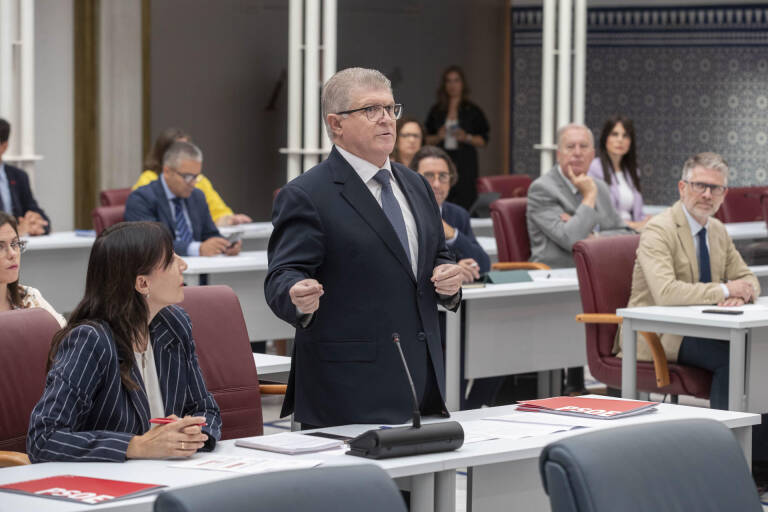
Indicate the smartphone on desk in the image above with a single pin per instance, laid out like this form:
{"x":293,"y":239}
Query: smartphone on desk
{"x":724,"y":311}
{"x":233,"y":238}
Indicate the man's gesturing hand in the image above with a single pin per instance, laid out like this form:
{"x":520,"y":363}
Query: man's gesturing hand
{"x":447,"y":279}
{"x":306,"y":294}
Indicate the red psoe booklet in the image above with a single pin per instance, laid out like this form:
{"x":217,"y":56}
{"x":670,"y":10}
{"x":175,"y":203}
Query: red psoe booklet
{"x":81,"y":489}
{"x":601,"y":408}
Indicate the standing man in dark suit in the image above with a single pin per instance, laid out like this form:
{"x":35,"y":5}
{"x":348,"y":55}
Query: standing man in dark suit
{"x":174,"y":193}
{"x":440,"y":172}
{"x":357,"y":254}
{"x":16,"y":195}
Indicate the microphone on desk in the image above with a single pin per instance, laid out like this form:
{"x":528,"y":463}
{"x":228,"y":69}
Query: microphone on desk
{"x":416,"y":439}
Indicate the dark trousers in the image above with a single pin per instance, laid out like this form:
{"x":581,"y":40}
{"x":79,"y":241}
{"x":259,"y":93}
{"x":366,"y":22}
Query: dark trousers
{"x":713,"y":355}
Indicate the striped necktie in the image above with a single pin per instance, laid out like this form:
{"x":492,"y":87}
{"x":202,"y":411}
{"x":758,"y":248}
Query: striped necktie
{"x":183,"y":233}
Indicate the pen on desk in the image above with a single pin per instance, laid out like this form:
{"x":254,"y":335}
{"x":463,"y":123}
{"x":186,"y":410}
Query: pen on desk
{"x":166,"y":421}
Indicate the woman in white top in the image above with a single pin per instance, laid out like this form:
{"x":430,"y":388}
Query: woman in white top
{"x":12,"y":294}
{"x":617,"y":166}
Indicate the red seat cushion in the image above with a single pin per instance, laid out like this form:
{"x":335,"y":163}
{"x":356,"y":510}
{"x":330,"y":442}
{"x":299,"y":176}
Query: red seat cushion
{"x":106,"y":216}
{"x":114,"y":196}
{"x":508,"y":185}
{"x":510,"y":229}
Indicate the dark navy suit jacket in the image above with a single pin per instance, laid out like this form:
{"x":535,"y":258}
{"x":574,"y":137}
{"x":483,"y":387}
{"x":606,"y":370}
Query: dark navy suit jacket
{"x":85,"y":413}
{"x":21,"y":194}
{"x":465,"y":245}
{"x":149,"y":203}
{"x":345,"y":368}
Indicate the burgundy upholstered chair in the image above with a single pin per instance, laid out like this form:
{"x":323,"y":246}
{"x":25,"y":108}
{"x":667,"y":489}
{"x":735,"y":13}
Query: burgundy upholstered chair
{"x":25,"y":338}
{"x":106,"y":216}
{"x":742,"y":204}
{"x":226,"y":360}
{"x":508,"y":185}
{"x":604,"y":267}
{"x":511,"y":233}
{"x":114,"y":196}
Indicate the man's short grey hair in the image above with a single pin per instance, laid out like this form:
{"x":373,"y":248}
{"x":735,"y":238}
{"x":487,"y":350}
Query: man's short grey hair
{"x":706,"y":160}
{"x":337,"y":91}
{"x":561,"y":131}
{"x":179,"y":151}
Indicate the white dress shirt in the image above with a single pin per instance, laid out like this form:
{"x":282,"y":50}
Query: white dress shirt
{"x":366,"y":170}
{"x":695,"y":227}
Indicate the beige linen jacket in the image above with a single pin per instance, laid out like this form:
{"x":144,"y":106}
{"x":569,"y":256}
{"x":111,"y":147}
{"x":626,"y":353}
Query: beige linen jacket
{"x":666,"y":271}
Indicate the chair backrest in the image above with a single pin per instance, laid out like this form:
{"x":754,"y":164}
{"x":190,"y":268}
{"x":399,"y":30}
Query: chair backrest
{"x":25,"y":338}
{"x":106,"y":216}
{"x":604,"y":267}
{"x":510,"y":229}
{"x":334,"y":488}
{"x":742,"y":204}
{"x":225,"y":356}
{"x":508,"y":185}
{"x":114,"y":196}
{"x":666,"y":466}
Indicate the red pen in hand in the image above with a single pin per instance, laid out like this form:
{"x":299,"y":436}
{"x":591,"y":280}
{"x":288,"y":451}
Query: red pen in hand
{"x":166,"y":421}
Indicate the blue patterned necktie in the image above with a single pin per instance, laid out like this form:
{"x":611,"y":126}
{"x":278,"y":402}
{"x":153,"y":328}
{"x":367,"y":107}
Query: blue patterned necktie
{"x":705,"y":273}
{"x":183,"y":232}
{"x":392,"y":209}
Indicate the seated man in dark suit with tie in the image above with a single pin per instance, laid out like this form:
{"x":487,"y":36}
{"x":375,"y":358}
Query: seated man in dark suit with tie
{"x":16,"y":195}
{"x":174,"y":201}
{"x":439,"y":170}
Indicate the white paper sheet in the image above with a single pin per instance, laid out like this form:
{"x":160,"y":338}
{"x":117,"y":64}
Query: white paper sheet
{"x":248,"y":465}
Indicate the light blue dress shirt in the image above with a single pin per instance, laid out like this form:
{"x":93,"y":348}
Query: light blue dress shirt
{"x":5,"y":190}
{"x":193,"y":249}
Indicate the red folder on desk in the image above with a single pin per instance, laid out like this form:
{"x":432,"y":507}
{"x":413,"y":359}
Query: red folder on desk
{"x":602,"y":408}
{"x":81,"y":489}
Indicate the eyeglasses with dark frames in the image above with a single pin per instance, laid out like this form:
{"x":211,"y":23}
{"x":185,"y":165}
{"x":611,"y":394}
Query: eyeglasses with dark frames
{"x":699,"y":188}
{"x":374,"y":112}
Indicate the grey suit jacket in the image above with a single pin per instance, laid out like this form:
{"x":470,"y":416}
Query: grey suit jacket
{"x":552,"y":239}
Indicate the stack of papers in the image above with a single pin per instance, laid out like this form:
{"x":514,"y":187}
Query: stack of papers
{"x":248,"y":465}
{"x":290,"y":443}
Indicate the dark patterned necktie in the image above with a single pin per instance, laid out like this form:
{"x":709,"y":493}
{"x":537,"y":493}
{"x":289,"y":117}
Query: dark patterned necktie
{"x":392,"y":209}
{"x":183,"y":232}
{"x":705,"y":273}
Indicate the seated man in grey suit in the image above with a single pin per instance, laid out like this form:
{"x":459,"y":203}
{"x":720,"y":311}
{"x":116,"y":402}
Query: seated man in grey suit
{"x":566,"y":205}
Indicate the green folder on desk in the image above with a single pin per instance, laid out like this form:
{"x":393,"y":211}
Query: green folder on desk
{"x":507,"y":276}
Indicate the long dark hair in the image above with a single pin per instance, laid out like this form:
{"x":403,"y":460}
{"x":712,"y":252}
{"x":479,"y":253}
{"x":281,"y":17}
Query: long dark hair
{"x":15,"y":292}
{"x":120,"y":254}
{"x":154,"y":159}
{"x":399,"y":126}
{"x":628,"y":161}
{"x":442,"y":96}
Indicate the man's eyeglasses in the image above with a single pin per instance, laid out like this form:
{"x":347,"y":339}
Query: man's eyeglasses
{"x":699,"y":188}
{"x":374,"y":112}
{"x":189,"y":178}
{"x":18,"y":246}
{"x":443,"y":177}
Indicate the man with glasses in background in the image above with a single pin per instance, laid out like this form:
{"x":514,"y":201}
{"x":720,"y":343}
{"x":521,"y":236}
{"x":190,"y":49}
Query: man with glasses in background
{"x":357,"y":256}
{"x":686,"y":257}
{"x":174,"y":201}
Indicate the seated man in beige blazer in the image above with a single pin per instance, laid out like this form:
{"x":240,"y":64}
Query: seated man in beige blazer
{"x":686,"y":257}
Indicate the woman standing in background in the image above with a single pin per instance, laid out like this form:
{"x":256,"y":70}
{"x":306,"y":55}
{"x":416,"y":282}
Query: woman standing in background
{"x":459,"y":126}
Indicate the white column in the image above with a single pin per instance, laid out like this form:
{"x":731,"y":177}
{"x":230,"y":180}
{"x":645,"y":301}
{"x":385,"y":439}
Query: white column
{"x":329,"y":56}
{"x":311,"y":80}
{"x":7,"y":10}
{"x":564,"y":63}
{"x":26,"y":93}
{"x":579,"y":60}
{"x":295,"y":12}
{"x":547,"y":85}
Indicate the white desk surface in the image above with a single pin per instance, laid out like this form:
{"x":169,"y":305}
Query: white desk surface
{"x":244,"y":262}
{"x":250,"y":230}
{"x":471,"y":455}
{"x":755,"y":315}
{"x":59,"y":240}
{"x":551,"y":285}
{"x":481,"y":223}
{"x":269,"y":364}
{"x":488,"y":243}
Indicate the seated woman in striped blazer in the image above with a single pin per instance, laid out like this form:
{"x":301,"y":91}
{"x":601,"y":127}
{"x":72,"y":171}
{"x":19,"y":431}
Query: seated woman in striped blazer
{"x":126,"y":356}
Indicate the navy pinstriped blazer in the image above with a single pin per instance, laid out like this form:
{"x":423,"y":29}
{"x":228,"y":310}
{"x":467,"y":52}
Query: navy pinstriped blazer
{"x":85,"y":413}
